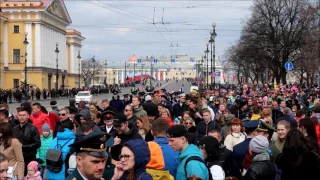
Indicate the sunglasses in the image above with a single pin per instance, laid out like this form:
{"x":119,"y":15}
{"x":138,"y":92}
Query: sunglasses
{"x":188,"y":123}
{"x":63,"y":114}
{"x":126,"y":110}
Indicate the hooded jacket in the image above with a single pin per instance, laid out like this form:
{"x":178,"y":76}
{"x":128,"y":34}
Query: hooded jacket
{"x":141,"y":152}
{"x":65,"y":138}
{"x":117,"y":104}
{"x":42,"y":151}
{"x":86,"y":114}
{"x":170,"y":156}
{"x":193,"y":167}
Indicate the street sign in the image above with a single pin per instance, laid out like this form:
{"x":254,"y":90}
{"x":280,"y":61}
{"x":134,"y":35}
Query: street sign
{"x":191,"y":59}
{"x":155,"y":60}
{"x":139,"y":61}
{"x":218,"y":73}
{"x":288,"y":66}
{"x":173,"y":60}
{"x":213,"y":74}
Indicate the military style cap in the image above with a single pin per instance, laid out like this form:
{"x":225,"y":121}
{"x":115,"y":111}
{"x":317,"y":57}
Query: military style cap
{"x":134,"y":92}
{"x":142,"y":93}
{"x":115,"y":92}
{"x":94,"y":144}
{"x":107,"y":115}
{"x":251,"y":124}
{"x":265,"y":127}
{"x":246,"y":117}
{"x":126,"y":95}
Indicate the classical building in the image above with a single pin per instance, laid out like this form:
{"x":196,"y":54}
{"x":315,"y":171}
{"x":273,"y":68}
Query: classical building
{"x":42,"y":24}
{"x":161,"y":68}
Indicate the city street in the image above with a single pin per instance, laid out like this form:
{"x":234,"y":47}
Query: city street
{"x":170,"y":86}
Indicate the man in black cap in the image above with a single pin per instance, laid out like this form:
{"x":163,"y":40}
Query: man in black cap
{"x":125,"y":100}
{"x":91,"y":156}
{"x":54,"y":107}
{"x":122,"y":134}
{"x":116,"y":102}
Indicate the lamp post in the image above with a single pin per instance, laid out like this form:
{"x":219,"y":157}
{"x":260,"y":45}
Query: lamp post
{"x":106,"y":73}
{"x":57,"y":70}
{"x":134,"y":72}
{"x":213,"y":35}
{"x":25,"y":42}
{"x":207,"y":54}
{"x":79,"y":61}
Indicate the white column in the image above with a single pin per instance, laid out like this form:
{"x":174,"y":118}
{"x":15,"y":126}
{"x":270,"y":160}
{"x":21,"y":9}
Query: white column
{"x":29,"y":46}
{"x":221,"y":78}
{"x":159,"y":75}
{"x":117,"y":77}
{"x":5,"y":43}
{"x":38,"y":44}
{"x":72,"y":56}
{"x":154,"y":74}
{"x":164,"y":75}
{"x":122,"y":76}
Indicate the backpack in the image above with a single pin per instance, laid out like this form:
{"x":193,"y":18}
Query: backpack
{"x":196,"y":158}
{"x":54,"y":158}
{"x":160,"y":174}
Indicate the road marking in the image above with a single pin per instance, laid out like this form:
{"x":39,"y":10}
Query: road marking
{"x":166,"y":84}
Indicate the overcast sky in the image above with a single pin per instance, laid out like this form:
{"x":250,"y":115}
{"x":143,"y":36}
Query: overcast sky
{"x":116,"y":30}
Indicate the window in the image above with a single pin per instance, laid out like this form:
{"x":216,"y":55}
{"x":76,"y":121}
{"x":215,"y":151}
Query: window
{"x":15,"y":83}
{"x":16,"y":56}
{"x":15,"y":29}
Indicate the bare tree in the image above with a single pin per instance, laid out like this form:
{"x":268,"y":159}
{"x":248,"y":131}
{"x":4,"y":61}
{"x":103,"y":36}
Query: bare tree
{"x":90,"y":68}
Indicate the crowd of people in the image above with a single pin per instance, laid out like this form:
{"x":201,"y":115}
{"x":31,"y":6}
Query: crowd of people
{"x":209,"y":135}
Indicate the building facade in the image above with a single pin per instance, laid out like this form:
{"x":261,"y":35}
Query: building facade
{"x":42,"y":24}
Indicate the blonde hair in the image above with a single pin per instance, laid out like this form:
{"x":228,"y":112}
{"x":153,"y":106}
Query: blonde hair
{"x":146,"y":126}
{"x":189,"y":119}
{"x":165,"y":110}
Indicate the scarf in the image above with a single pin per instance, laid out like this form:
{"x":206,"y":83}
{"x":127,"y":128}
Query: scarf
{"x":249,"y":159}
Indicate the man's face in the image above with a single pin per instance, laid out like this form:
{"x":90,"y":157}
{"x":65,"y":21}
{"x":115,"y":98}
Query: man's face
{"x":105,"y":105}
{"x":121,"y":129}
{"x":283,"y":104}
{"x":91,"y":167}
{"x":108,"y":122}
{"x":23,"y":117}
{"x":35,"y":109}
{"x":128,"y":111}
{"x":151,"y":118}
{"x":176,"y":143}
{"x":206,"y":116}
{"x":192,"y":105}
{"x":64,"y":115}
{"x":135,"y":102}
{"x":182,"y":99}
{"x":216,"y":135}
{"x":274,"y":105}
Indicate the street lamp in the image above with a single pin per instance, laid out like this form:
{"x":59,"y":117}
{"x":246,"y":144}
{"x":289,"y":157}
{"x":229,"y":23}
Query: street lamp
{"x":207,"y":54}
{"x":25,"y":42}
{"x":57,"y":70}
{"x":79,"y":61}
{"x":212,"y":40}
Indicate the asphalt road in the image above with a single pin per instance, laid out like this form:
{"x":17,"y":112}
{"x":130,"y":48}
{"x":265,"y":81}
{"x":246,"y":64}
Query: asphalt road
{"x":62,"y":102}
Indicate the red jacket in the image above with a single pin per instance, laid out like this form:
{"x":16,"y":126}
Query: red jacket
{"x":53,"y":119}
{"x":38,"y":120}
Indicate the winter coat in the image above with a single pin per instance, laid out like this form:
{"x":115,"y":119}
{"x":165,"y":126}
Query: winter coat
{"x":203,"y":128}
{"x":45,"y":145}
{"x":117,"y":104}
{"x":65,"y":138}
{"x":234,"y":139}
{"x":29,"y":137}
{"x":170,"y":156}
{"x":140,"y":111}
{"x":86,"y":114}
{"x":178,"y":109}
{"x":141,"y":153}
{"x":196,"y":168}
{"x":38,"y":120}
{"x":36,"y":176}
{"x":261,"y":169}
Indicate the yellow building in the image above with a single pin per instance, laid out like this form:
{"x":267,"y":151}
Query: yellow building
{"x":42,"y":23}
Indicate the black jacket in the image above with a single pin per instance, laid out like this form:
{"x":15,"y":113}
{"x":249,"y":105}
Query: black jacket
{"x":29,"y":137}
{"x":225,"y":159}
{"x":203,"y":128}
{"x":151,"y":108}
{"x":178,"y":109}
{"x":116,"y":150}
{"x":261,"y":170}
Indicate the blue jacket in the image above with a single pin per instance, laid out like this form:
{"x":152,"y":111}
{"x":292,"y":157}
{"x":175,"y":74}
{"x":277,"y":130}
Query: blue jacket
{"x":141,"y":152}
{"x":239,"y":153}
{"x":170,"y":156}
{"x":67,"y":137}
{"x":196,"y":168}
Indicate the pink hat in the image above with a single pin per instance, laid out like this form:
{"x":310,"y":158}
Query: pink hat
{"x":34,"y":165}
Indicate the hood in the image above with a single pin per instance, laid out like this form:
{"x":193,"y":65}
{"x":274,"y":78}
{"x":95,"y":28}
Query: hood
{"x":156,"y":156}
{"x":85,"y":112}
{"x":191,"y":150}
{"x":141,"y":152}
{"x":66,"y":134}
{"x":27,"y":106}
{"x":72,"y":102}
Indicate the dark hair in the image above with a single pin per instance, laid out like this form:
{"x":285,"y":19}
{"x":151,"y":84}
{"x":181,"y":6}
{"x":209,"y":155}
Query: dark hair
{"x":37,"y":104}
{"x":194,"y":101}
{"x":66,"y":124}
{"x":22,"y":109}
{"x":308,"y":124}
{"x":159,"y":126}
{"x":4,"y":106}
{"x":256,"y":110}
{"x":295,"y":144}
{"x":7,"y":134}
{"x":44,"y":110}
{"x":194,"y":178}
{"x":4,"y":112}
{"x":3,"y":158}
{"x":87,"y":126}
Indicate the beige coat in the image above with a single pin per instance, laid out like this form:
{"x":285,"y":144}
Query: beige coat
{"x":14,"y":155}
{"x":233,"y":139}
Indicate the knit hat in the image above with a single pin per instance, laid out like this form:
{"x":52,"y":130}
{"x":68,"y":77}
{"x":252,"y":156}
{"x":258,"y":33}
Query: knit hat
{"x":259,"y":144}
{"x":156,"y":156}
{"x":34,"y":165}
{"x":45,"y":127}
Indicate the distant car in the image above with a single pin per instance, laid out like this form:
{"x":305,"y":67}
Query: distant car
{"x":83,"y":96}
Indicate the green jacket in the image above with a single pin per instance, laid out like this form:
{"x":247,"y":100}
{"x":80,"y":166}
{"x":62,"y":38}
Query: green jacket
{"x":42,"y":151}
